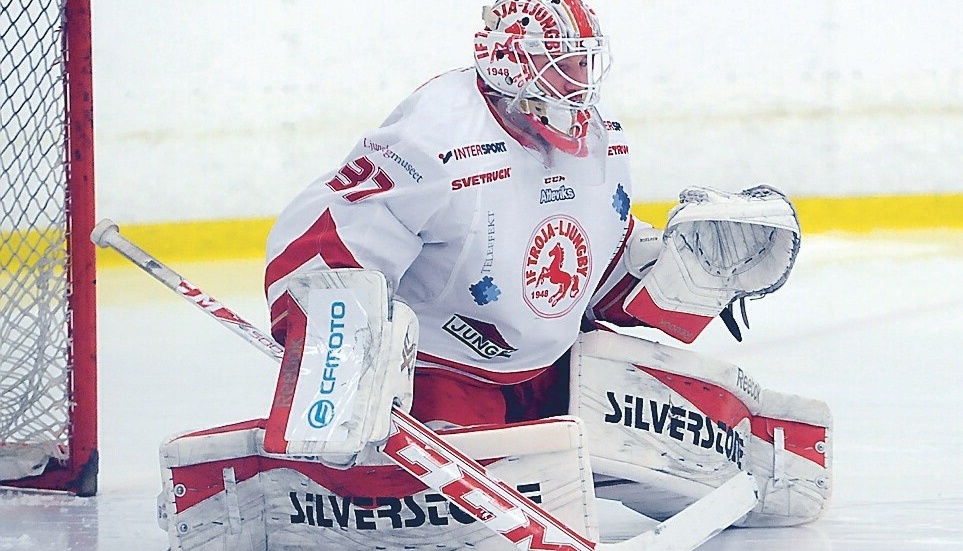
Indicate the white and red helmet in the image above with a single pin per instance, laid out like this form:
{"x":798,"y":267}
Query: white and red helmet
{"x":524,"y":40}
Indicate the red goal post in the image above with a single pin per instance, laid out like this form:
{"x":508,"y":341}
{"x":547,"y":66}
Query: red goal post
{"x":48,"y":345}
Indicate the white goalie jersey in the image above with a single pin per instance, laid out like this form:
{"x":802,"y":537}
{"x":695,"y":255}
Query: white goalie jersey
{"x":499,"y":252}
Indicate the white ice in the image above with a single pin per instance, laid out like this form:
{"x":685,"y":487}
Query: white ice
{"x":872,"y":325}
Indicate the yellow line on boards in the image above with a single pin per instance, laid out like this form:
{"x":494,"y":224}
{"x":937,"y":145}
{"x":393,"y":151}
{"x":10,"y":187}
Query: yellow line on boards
{"x":854,"y":214}
{"x":201,"y":241}
{"x":245,"y":239}
{"x":198,"y":241}
{"x":895,"y":212}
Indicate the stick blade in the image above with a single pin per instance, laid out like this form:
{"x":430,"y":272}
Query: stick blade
{"x":698,"y":522}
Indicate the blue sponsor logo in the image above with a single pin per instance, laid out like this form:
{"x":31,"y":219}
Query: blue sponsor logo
{"x":332,"y":359}
{"x":485,"y":291}
{"x":563,"y":193}
{"x":321,"y":414}
{"x":621,"y":203}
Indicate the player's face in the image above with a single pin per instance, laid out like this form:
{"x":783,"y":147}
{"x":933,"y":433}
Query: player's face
{"x":566,"y":76}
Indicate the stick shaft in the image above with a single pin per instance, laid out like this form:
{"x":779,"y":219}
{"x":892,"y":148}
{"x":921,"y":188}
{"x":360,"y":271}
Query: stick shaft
{"x":107,"y":234}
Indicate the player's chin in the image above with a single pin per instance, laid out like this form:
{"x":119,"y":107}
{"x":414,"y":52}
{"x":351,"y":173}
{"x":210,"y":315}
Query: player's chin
{"x":576,"y":97}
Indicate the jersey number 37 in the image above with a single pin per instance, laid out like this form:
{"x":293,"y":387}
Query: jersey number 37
{"x":356,"y":173}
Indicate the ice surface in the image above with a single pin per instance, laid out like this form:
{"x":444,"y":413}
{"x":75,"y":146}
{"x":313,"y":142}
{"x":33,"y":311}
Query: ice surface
{"x":872,"y":325}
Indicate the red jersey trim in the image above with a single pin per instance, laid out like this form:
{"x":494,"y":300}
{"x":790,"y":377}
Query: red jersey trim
{"x":321,"y":239}
{"x":428,"y":361}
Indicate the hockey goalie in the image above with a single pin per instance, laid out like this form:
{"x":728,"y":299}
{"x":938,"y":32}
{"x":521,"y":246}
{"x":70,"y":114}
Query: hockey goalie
{"x":474,"y":262}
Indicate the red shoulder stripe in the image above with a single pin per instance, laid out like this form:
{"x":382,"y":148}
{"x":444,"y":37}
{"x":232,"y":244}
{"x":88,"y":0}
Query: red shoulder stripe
{"x":320,"y":239}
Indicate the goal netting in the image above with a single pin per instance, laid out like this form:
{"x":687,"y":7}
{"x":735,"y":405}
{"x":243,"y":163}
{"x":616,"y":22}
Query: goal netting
{"x":47,"y":322}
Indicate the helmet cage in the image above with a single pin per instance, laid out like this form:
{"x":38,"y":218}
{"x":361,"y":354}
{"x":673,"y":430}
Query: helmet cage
{"x":592,"y":55}
{"x":522,"y":67}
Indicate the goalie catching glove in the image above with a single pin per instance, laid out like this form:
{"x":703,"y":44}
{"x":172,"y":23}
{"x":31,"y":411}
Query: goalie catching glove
{"x":718,"y":247}
{"x":349,"y":358}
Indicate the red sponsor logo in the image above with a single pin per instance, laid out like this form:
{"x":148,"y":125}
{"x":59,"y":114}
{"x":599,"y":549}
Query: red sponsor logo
{"x":483,"y":178}
{"x":618,"y":150}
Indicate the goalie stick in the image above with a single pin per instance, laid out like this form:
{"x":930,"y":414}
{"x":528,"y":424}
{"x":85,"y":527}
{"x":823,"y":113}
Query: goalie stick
{"x":462,"y":480}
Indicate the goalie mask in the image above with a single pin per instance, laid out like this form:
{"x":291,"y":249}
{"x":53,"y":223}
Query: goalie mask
{"x":547,"y":50}
{"x":546,"y":59}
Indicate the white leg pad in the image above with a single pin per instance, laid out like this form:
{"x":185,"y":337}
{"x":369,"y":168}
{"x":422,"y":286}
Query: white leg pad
{"x":223,"y":492}
{"x":666,"y":426}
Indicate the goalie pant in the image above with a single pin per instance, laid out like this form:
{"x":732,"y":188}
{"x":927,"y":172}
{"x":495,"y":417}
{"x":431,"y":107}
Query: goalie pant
{"x":222,"y":491}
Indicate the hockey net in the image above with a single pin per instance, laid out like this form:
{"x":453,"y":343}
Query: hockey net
{"x":48,"y":417}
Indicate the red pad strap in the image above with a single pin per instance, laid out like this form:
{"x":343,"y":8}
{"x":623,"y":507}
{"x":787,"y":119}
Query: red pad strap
{"x":277,"y":422}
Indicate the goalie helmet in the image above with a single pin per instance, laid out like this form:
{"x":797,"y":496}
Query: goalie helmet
{"x":545,"y":50}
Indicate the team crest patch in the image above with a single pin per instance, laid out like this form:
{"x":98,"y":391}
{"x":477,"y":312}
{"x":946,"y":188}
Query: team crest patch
{"x":557,"y":266}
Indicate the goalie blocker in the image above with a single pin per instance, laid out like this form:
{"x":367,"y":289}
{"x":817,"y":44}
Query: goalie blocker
{"x":349,"y":357}
{"x":666,"y":426}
